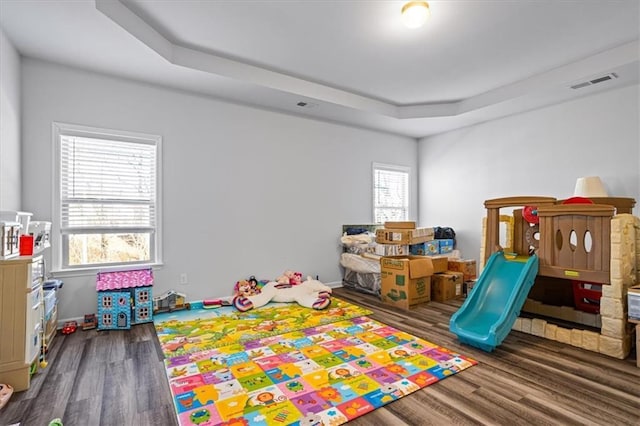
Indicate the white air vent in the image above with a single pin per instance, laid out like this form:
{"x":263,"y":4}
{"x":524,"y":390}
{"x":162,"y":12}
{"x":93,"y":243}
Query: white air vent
{"x":596,"y":80}
{"x":307,"y":105}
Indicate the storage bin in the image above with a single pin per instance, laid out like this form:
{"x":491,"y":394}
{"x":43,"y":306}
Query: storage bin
{"x":363,"y":282}
{"x":49,"y":302}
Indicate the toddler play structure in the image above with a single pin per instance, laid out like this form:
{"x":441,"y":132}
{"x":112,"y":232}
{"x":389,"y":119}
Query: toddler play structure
{"x":594,"y":241}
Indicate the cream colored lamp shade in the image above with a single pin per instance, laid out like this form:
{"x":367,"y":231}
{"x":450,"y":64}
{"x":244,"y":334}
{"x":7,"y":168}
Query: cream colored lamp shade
{"x":415,"y":13}
{"x":590,"y":186}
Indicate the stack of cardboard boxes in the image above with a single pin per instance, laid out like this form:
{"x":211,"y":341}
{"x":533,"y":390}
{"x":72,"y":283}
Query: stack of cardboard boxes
{"x":415,"y":268}
{"x":401,"y":238}
{"x":398,"y":238}
{"x":455,"y":281}
{"x":405,"y":278}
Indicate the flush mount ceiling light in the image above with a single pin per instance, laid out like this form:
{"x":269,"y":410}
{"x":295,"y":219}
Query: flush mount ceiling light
{"x":415,"y":13}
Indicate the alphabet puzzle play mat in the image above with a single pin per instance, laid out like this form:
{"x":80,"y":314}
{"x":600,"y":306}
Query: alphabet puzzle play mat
{"x":321,"y":375}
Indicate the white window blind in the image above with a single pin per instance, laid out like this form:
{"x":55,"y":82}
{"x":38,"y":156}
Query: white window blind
{"x":107,"y":185}
{"x":108,"y":197}
{"x":390,"y":193}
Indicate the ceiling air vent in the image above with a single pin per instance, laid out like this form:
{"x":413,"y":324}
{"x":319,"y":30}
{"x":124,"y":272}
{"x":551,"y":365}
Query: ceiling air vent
{"x":597,"y":80}
{"x":303,"y":104}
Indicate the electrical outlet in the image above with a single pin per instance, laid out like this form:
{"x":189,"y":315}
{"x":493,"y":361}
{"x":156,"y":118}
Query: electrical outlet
{"x":184,"y":280}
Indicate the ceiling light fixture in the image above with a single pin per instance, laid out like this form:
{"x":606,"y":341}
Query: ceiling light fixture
{"x":415,"y":13}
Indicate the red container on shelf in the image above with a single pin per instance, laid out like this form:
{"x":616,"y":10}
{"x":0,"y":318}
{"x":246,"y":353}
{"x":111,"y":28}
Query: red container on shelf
{"x":26,"y":245}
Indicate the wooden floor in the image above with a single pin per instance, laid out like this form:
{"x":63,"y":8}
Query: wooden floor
{"x":117,"y":378}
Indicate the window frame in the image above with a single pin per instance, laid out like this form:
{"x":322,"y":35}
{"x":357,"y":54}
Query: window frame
{"x":60,"y":254}
{"x":393,"y":168}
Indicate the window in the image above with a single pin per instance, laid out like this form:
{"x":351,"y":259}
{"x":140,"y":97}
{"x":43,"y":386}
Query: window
{"x":390,"y":193}
{"x":106,"y":209}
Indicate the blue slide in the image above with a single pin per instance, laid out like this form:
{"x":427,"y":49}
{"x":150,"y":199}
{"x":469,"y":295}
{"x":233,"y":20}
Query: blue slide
{"x":491,"y":309}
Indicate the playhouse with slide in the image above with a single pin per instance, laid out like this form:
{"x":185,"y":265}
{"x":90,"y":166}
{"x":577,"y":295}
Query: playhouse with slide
{"x":576,"y":257}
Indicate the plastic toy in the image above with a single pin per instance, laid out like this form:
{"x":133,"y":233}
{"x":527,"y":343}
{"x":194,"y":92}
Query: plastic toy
{"x":69,"y":327}
{"x":215,"y":303}
{"x":90,"y":322}
{"x":587,"y":242}
{"x":5,"y":393}
{"x":124,"y":298}
{"x":310,"y":293}
{"x":530,"y":214}
{"x":43,"y":355}
{"x":169,"y":302}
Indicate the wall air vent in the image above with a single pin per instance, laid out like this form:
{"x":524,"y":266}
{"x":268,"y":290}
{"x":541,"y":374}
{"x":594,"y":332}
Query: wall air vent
{"x":597,"y":80}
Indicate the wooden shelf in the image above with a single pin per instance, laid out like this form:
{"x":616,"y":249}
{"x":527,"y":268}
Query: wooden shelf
{"x":21,"y":318}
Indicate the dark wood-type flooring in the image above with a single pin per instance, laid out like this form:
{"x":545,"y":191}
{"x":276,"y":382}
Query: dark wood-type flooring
{"x":117,"y":378}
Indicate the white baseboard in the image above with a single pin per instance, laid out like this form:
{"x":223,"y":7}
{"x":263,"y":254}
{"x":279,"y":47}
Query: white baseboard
{"x":79,"y":320}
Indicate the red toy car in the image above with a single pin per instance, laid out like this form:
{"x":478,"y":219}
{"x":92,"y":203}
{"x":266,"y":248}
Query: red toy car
{"x":69,"y":327}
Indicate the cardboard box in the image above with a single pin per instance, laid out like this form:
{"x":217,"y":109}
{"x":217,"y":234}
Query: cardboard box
{"x":468,"y":286}
{"x":427,"y":248}
{"x":400,"y":225}
{"x":633,"y":297}
{"x":445,"y":246}
{"x":446,"y":286}
{"x":404,"y":236}
{"x":406,"y":280}
{"x":468,"y":268}
{"x":440,"y":264}
{"x":392,"y":249}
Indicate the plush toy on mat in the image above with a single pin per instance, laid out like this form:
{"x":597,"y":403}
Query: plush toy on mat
{"x":310,"y":293}
{"x":290,"y":277}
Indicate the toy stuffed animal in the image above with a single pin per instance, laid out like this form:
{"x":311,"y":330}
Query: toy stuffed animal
{"x":310,"y":293}
{"x":290,"y":277}
{"x":247,"y":287}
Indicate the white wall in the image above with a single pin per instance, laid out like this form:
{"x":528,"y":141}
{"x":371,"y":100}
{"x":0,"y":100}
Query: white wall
{"x":540,"y":152}
{"x":10,"y":183}
{"x":246,"y":191}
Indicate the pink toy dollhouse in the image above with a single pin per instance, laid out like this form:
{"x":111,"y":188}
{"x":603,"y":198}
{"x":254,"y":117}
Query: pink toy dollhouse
{"x":124,"y":298}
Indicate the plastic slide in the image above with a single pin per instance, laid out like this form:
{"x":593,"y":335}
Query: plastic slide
{"x":491,"y":309}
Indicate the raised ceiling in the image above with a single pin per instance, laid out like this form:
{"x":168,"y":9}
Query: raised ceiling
{"x":349,"y":61}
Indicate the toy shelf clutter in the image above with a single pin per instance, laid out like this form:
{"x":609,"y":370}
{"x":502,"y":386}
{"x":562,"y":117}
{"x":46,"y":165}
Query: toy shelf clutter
{"x":581,"y":244}
{"x":124,"y":298}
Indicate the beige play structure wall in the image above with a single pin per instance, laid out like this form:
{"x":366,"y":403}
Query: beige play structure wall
{"x":616,"y":333}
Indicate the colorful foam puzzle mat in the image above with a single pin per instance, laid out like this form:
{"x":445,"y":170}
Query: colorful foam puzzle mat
{"x":323,"y":375}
